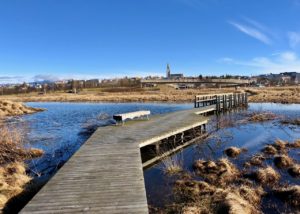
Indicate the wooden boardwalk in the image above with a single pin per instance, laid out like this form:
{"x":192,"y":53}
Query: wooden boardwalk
{"x":106,"y":175}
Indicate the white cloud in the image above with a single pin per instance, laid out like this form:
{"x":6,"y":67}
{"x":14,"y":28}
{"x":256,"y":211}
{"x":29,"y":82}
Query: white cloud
{"x":226,"y":60}
{"x":294,"y":39}
{"x":288,"y":56}
{"x":254,"y":31}
{"x":282,"y":62}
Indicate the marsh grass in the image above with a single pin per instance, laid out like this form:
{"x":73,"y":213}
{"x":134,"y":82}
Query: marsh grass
{"x":13,"y":177}
{"x":220,"y":187}
{"x":233,"y":152}
{"x":291,"y":121}
{"x":9,"y":108}
{"x":289,"y":94}
{"x":172,"y":164}
{"x":261,"y":116}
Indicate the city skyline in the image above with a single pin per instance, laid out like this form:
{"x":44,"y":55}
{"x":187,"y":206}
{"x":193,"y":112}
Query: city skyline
{"x":107,"y":39}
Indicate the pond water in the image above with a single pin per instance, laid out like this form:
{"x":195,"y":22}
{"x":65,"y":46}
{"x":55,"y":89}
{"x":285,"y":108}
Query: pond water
{"x":252,"y":136}
{"x":64,"y":127}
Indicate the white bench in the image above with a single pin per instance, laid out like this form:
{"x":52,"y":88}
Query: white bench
{"x":131,"y":115}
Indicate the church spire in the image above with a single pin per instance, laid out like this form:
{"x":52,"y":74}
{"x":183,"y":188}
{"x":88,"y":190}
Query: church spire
{"x":168,"y":72}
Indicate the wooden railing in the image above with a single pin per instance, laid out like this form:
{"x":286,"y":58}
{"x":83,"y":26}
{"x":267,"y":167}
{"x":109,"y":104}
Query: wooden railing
{"x":221,"y":101}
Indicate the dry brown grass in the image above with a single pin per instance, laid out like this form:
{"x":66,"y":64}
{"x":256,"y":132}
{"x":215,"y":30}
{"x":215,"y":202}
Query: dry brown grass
{"x":203,"y":197}
{"x":11,"y":147}
{"x":261,"y":116}
{"x":288,"y":94}
{"x":295,"y":144}
{"x":280,"y":145}
{"x":237,"y":200}
{"x":289,"y":194}
{"x":266,"y":176}
{"x":191,"y":189}
{"x":163,"y":93}
{"x":290,"y":121}
{"x":233,"y":151}
{"x":9,"y":108}
{"x":172,"y":164}
{"x":219,"y":187}
{"x":294,"y":171}
{"x":220,"y":173}
{"x":283,"y":161}
{"x":255,"y":160}
{"x":13,"y":177}
{"x":270,"y":150}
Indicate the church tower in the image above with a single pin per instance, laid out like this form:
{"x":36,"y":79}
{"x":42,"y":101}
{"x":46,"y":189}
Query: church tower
{"x":168,"y":72}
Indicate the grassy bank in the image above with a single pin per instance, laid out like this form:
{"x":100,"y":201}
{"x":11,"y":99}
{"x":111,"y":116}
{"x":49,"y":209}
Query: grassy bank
{"x":10,"y":108}
{"x":13,"y":177}
{"x":162,"y":93}
{"x":289,"y":94}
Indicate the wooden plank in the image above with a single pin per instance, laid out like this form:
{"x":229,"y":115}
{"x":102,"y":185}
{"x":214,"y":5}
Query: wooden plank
{"x":106,"y":174}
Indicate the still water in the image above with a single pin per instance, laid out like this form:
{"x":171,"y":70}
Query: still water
{"x":252,"y":136}
{"x":64,"y":127}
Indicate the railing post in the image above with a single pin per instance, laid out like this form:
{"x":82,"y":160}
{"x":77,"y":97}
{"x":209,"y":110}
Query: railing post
{"x":218,"y":103}
{"x":243,"y":99}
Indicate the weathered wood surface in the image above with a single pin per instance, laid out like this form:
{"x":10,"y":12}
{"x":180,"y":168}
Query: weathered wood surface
{"x":106,"y":175}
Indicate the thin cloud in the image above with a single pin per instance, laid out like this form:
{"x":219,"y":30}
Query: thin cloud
{"x":283,"y":62}
{"x":256,"y":24}
{"x":43,"y":77}
{"x":226,"y":60}
{"x":294,"y":39}
{"x":11,"y":79}
{"x":252,"y":31}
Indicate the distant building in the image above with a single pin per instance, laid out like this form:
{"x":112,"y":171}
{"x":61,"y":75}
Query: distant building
{"x":93,"y":83}
{"x":294,"y":77}
{"x":172,"y":76}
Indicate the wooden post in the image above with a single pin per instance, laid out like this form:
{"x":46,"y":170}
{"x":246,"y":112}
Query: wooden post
{"x":234,"y":100}
{"x":243,"y":100}
{"x":157,"y":148}
{"x":223,"y":98}
{"x":218,"y":103}
{"x":246,"y":99}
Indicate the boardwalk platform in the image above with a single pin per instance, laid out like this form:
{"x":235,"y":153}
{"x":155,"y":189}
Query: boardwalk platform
{"x":106,"y":174}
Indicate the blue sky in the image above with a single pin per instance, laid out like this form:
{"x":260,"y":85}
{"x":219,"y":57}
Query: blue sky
{"x":57,"y":39}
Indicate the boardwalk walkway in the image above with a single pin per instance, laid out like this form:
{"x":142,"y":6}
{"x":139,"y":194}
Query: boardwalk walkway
{"x":105,"y":175}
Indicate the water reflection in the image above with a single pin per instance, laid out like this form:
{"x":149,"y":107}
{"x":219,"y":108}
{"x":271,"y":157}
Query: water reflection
{"x":251,"y":136}
{"x":64,"y":127}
